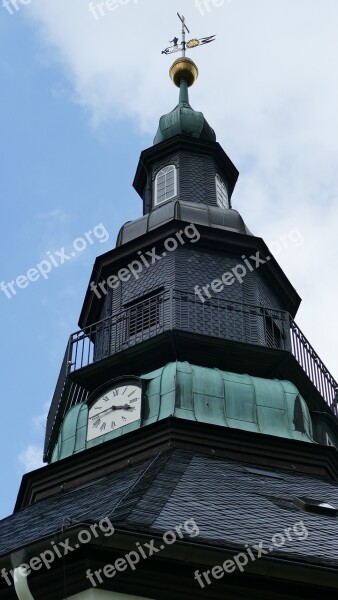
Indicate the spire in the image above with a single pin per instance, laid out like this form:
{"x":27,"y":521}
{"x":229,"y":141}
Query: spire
{"x":184,"y":120}
{"x":184,"y":73}
{"x":184,"y":92}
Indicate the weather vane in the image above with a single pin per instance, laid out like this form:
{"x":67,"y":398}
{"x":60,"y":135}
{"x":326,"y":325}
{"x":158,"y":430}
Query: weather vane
{"x":176,"y":47}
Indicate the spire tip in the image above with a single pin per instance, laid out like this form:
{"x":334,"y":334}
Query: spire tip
{"x":184,"y":68}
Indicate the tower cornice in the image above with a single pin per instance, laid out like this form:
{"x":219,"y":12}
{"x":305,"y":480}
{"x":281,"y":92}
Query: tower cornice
{"x":184,"y":143}
{"x":253,"y":448}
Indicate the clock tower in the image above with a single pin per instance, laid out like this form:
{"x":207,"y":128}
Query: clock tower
{"x":191,"y":443}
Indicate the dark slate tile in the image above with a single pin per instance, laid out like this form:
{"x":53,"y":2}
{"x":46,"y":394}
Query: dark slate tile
{"x":231,"y":505}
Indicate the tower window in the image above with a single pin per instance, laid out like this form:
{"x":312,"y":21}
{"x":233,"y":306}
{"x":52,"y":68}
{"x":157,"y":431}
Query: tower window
{"x":328,"y":440}
{"x":274,"y":336}
{"x":144,"y":317}
{"x":315,"y":506}
{"x":165,"y":184}
{"x":222,"y":193}
{"x":298,"y":416}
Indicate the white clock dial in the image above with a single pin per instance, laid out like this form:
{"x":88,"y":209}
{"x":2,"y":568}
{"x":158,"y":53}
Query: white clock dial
{"x":119,"y":406}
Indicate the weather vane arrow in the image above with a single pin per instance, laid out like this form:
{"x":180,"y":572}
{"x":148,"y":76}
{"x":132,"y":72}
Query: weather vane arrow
{"x":181,"y":47}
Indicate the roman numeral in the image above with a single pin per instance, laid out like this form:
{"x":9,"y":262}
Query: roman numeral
{"x":124,"y":419}
{"x":115,"y":392}
{"x":105,"y":398}
{"x":97,"y":423}
{"x":103,"y":426}
{"x":113,"y":424}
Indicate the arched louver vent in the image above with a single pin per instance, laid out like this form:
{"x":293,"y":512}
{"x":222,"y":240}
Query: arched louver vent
{"x":298,"y":418}
{"x":221,"y":193}
{"x":165,"y":184}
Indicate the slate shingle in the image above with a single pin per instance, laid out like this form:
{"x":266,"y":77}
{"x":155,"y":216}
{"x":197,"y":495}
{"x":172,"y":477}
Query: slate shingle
{"x":231,"y":505}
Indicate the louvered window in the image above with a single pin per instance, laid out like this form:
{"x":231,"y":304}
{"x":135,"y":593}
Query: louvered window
{"x":328,"y":440}
{"x":143,"y":317}
{"x":274,"y":337}
{"x":222,"y":193}
{"x":165,"y":184}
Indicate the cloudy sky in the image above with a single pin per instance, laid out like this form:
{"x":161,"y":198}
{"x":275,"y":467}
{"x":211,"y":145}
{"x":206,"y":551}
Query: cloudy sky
{"x":81,"y":95}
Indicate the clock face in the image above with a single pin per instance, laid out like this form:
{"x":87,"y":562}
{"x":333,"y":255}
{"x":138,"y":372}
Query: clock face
{"x":119,"y":406}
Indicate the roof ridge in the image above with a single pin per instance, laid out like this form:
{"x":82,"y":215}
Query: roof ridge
{"x":144,"y":511}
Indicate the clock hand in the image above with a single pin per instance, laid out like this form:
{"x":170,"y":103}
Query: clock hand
{"x":122,"y":407}
{"x":102,"y":413}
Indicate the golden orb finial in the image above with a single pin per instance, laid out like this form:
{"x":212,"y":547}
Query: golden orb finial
{"x":184,"y":68}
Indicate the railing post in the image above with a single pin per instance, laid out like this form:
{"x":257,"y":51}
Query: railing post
{"x":171,"y":308}
{"x":69,"y":360}
{"x":288,"y":325}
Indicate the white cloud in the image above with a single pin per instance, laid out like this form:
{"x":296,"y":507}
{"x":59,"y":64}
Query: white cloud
{"x":268,"y":86}
{"x":31,"y":458}
{"x":56,"y":215}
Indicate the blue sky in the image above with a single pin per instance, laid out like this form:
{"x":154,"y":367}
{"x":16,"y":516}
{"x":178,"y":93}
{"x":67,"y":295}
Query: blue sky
{"x":80,"y":98}
{"x":58,"y":182}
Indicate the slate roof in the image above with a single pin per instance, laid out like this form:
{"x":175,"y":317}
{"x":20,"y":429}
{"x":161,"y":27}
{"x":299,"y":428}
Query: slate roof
{"x":231,"y":503}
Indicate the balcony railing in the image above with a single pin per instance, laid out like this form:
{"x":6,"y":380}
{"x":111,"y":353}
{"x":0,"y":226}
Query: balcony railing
{"x":67,"y":394}
{"x":313,"y":366}
{"x":183,"y":311}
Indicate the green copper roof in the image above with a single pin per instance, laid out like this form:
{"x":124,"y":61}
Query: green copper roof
{"x":208,"y":396}
{"x":184,"y":120}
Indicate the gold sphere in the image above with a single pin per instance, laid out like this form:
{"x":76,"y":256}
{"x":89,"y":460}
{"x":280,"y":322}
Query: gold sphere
{"x":184,"y":68}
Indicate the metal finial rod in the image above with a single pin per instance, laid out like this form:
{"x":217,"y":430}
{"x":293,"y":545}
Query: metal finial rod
{"x":184,"y":29}
{"x":183,"y":22}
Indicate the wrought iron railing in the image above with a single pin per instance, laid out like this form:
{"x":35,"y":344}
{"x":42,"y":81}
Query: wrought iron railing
{"x":67,"y":394}
{"x":232,"y":320}
{"x":184,"y":311}
{"x":314,"y":367}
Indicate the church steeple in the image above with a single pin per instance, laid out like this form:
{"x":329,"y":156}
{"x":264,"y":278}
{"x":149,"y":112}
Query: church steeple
{"x":216,"y":302}
{"x":184,"y":120}
{"x":188,"y":391}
